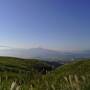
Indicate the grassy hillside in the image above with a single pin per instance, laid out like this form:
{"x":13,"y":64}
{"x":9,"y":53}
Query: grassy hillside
{"x":16,"y":65}
{"x":73,"y":76}
{"x":21,"y":70}
{"x":29,"y":75}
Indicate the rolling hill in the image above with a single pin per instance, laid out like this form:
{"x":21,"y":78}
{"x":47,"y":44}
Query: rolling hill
{"x":73,"y":76}
{"x":30,"y":74}
{"x":14,"y":67}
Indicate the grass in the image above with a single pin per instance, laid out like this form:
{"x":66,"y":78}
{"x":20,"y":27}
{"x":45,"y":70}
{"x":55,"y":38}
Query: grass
{"x":21,"y":70}
{"x":21,"y":74}
{"x":74,"y":76}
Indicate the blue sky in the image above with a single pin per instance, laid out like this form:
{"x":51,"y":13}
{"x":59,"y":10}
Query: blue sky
{"x":53,"y":24}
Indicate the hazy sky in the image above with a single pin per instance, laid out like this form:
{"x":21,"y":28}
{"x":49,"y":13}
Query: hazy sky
{"x":54,"y":24}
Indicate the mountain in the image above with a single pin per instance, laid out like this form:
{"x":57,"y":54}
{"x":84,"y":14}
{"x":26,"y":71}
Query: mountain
{"x":31,"y":53}
{"x":44,"y":54}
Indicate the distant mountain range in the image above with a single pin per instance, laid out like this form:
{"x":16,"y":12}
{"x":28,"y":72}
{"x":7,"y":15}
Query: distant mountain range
{"x":44,"y":54}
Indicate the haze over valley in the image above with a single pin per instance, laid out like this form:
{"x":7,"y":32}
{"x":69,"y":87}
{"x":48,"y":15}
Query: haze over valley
{"x":45,"y":54}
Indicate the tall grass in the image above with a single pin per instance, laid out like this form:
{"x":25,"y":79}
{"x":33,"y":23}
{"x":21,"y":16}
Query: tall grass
{"x":70,"y":82}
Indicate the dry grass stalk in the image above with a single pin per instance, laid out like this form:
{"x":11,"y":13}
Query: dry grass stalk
{"x":13,"y":85}
{"x":53,"y":87}
{"x":18,"y":87}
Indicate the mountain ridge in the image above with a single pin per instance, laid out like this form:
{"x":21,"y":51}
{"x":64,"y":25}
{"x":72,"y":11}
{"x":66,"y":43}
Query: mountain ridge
{"x":44,"y":53}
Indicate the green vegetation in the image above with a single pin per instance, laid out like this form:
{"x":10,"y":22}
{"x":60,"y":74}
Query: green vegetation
{"x":29,"y":75}
{"x":21,"y":70}
{"x":74,"y":76}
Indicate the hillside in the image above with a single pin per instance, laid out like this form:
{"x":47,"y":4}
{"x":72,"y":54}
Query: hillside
{"x":23,"y":70}
{"x":73,"y":76}
{"x":79,"y":67}
{"x":22,"y":64}
{"x":29,"y":74}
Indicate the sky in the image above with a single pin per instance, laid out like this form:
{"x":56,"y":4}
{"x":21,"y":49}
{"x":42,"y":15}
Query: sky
{"x":53,"y":24}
